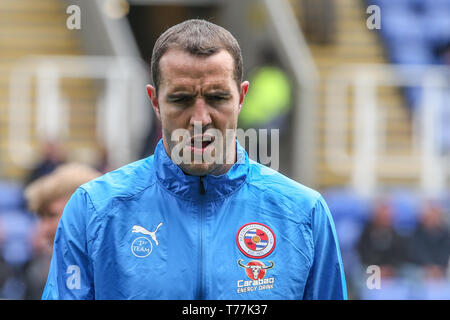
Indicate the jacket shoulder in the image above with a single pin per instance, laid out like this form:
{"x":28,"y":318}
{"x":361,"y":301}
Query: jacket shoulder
{"x":273,"y":184}
{"x":124,"y":182}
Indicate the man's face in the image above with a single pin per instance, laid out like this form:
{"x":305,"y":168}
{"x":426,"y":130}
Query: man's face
{"x":50,"y":219}
{"x":199,"y":93}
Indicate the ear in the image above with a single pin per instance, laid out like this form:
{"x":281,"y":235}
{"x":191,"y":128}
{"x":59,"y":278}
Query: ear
{"x":154,"y":99}
{"x":244,"y":88}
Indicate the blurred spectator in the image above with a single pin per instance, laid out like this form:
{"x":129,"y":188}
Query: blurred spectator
{"x":442,"y":53}
{"x":16,"y":226}
{"x":380,"y":244}
{"x":52,"y":157}
{"x":430,"y":243}
{"x":15,"y":251}
{"x":268,"y":103}
{"x":47,"y":197}
{"x":319,"y":17}
{"x":5,"y":269}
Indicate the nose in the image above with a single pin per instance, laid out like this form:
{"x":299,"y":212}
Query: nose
{"x":201,"y":113}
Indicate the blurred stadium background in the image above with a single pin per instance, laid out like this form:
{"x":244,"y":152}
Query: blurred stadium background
{"x":368,"y":121}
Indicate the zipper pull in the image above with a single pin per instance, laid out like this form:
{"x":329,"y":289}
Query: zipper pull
{"x":202,"y":186}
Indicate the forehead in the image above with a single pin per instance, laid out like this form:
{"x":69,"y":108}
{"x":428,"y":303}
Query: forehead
{"x":179,"y":68}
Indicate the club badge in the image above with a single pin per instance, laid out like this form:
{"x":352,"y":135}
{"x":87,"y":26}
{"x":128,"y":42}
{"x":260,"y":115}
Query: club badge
{"x":255,"y":240}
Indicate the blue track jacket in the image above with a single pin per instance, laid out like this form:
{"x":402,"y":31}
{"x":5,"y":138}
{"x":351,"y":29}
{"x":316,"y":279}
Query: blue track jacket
{"x":148,"y":231}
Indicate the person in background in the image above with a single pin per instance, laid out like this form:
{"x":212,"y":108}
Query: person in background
{"x":430,"y":243}
{"x":380,"y":244}
{"x":47,"y":197}
{"x":268,"y":104}
{"x":52,"y":157}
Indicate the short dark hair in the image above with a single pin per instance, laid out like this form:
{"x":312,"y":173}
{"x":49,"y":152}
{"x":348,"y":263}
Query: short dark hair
{"x":197,"y":37}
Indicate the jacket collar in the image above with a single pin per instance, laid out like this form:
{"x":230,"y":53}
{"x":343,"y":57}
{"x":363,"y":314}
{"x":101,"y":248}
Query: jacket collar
{"x":172,"y":178}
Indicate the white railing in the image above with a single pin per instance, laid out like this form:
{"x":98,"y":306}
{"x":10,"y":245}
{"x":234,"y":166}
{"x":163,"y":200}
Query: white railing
{"x":289,"y":36}
{"x":123,"y":116}
{"x":368,"y":161}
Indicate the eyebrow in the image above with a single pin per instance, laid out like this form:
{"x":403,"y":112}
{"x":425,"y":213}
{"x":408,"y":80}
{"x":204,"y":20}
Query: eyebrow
{"x":215,"y":93}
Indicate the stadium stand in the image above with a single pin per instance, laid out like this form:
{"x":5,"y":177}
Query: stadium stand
{"x":411,"y":30}
{"x":12,"y":196}
{"x":28,"y":28}
{"x":33,"y":28}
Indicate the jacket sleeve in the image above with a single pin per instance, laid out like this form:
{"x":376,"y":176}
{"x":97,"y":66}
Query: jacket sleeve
{"x":70,"y":275}
{"x":326,"y":279}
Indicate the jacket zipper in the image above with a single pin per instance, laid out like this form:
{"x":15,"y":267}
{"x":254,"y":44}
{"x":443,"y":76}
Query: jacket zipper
{"x":200,"y":275}
{"x":202,"y":186}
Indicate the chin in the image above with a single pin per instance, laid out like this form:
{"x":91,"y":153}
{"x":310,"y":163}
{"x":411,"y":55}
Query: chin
{"x":198,"y":169}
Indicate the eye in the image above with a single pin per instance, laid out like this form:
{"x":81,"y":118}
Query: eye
{"x":217,"y":98}
{"x":180,"y":99}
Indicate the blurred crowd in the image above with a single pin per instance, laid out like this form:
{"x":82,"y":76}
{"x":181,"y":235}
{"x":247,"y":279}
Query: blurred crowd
{"x":405,"y":236}
{"x":29,"y":216}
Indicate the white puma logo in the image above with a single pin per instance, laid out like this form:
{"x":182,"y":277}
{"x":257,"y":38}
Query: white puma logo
{"x":142,"y":230}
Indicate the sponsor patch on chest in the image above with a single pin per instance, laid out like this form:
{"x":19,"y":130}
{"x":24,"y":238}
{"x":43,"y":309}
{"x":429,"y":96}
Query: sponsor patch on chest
{"x":256,"y":272}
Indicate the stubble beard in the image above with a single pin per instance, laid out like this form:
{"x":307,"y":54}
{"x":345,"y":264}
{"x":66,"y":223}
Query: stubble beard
{"x":199,"y":167}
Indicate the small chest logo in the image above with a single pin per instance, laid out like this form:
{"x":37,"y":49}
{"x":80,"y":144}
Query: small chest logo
{"x":255,"y":240}
{"x":142,"y":246}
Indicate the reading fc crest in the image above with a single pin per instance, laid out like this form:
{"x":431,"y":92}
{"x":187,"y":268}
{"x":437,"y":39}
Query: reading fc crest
{"x":255,"y":240}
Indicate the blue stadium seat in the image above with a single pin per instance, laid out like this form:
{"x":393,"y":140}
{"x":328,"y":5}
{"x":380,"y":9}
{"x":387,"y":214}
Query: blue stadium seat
{"x":17,"y":228}
{"x":400,"y":23}
{"x":391,"y":289}
{"x":436,"y":290}
{"x":11,"y":196}
{"x":350,"y":213}
{"x":409,"y":4}
{"x":406,"y":206}
{"x":414,"y":97}
{"x":443,"y":127}
{"x":437,"y":25}
{"x":413,"y":28}
{"x":345,"y":203}
{"x":443,"y":5}
{"x":410,"y":52}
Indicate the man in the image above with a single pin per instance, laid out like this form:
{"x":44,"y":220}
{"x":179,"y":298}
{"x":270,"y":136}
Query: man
{"x":430,"y":242}
{"x":165,"y":228}
{"x":47,"y":197}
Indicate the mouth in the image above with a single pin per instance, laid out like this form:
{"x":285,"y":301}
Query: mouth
{"x":201,"y":142}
